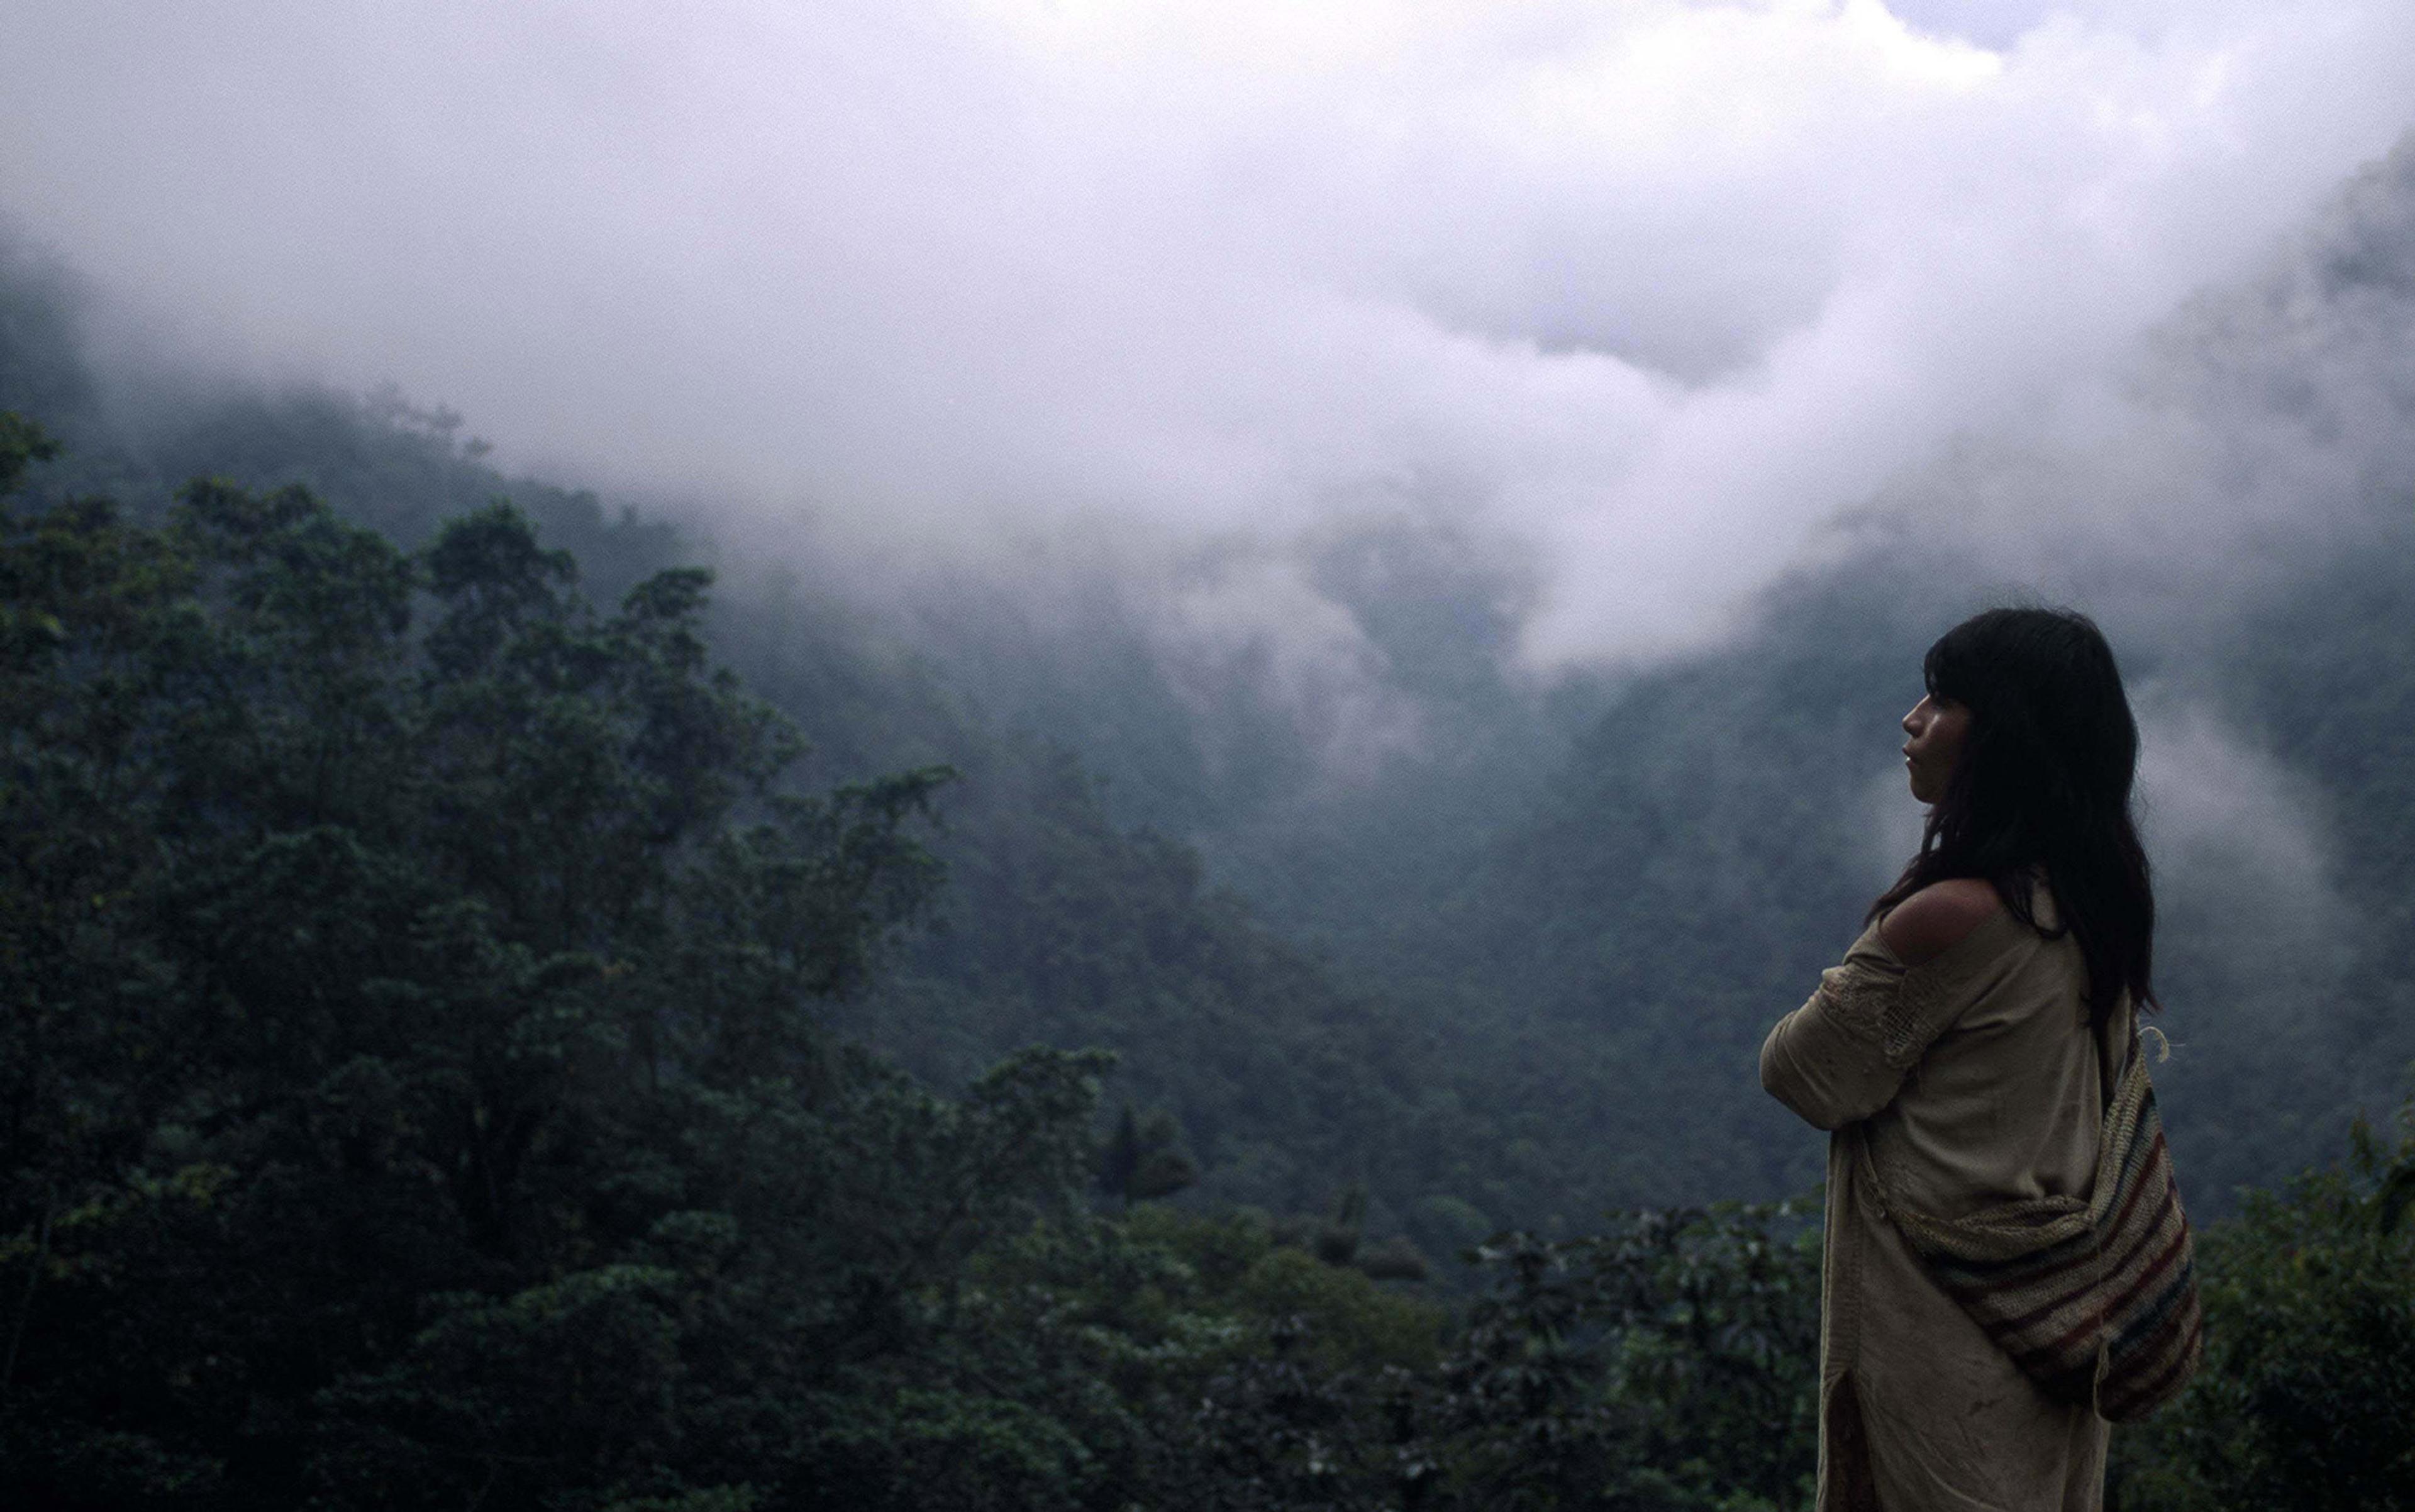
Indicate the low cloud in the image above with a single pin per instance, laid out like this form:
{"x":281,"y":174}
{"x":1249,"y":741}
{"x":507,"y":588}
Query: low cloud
{"x":1651,"y":292}
{"x":2212,"y":803}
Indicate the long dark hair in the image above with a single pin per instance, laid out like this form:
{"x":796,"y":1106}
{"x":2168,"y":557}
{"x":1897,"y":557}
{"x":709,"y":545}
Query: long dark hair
{"x":2044,"y":784}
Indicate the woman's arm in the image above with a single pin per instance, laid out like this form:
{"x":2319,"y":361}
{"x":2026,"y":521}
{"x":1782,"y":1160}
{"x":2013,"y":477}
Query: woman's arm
{"x":1845,"y":1053}
{"x":1826,"y":1061}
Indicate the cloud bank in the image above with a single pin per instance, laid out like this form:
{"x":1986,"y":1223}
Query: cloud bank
{"x":1653,"y":291}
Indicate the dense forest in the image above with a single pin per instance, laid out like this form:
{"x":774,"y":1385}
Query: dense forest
{"x":498,"y":1017}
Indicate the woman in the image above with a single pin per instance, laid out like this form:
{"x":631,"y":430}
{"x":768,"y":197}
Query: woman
{"x":1963,"y":1053}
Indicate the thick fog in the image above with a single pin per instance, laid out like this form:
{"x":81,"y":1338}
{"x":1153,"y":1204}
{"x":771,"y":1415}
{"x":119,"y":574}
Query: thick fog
{"x":1645,"y":294}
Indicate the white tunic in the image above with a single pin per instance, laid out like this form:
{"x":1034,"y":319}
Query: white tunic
{"x":1972,"y":1079}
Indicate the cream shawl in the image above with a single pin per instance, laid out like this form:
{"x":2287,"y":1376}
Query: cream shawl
{"x":1973,"y":1080}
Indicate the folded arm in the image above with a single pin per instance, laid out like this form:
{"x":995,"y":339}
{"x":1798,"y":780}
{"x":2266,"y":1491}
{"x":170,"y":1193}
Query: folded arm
{"x":1845,"y":1053}
{"x":1827,"y":1060}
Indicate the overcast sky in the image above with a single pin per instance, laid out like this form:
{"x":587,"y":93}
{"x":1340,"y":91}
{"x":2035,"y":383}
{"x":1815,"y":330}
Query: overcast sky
{"x":1650,"y":289}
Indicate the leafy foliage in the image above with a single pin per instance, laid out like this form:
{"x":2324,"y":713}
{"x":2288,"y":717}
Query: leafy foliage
{"x":419,"y":1087}
{"x":422,"y":1074}
{"x":419,"y":1094}
{"x":414,"y":1092}
{"x":1671,"y":1362}
{"x":2309,"y":1379}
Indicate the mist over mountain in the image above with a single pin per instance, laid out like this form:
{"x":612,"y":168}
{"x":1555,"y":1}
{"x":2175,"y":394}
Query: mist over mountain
{"x":1520,"y":633}
{"x":1640,"y":296}
{"x":1529,"y":916}
{"x":1652,"y":862}
{"x":994,"y":753}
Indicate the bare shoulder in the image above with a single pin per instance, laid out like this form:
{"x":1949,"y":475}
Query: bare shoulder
{"x":1938,"y":918}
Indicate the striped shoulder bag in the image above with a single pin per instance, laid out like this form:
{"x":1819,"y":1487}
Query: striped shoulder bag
{"x":2096,"y":1301}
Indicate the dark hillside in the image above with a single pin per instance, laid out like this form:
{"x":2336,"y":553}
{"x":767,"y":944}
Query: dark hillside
{"x":1514,"y":966}
{"x":1713,"y":841}
{"x":1062,"y":925}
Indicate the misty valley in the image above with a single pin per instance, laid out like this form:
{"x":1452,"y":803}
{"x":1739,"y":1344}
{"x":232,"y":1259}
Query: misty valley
{"x":515,"y":1001}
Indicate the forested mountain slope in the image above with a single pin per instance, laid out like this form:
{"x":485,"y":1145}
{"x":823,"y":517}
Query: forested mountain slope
{"x":1060,"y":924}
{"x":1717,"y":833}
{"x":1601,"y":890}
{"x":1512,"y":966}
{"x":420,"y":1092}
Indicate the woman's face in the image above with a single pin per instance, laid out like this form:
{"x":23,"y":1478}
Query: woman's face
{"x":1937,"y":728}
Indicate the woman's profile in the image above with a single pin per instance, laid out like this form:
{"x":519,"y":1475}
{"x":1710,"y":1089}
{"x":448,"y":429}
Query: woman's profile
{"x":1968,"y":1056}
